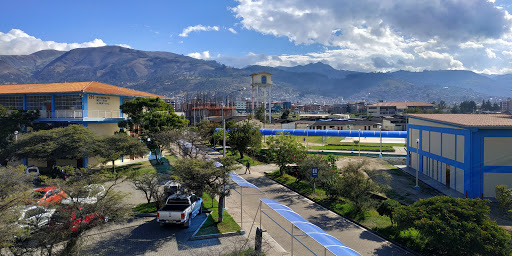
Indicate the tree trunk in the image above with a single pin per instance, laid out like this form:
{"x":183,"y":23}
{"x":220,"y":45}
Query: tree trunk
{"x":220,"y":208}
{"x":241,"y":154}
{"x":113,"y":166}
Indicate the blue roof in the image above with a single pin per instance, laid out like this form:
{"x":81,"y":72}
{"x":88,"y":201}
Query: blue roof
{"x":329,"y":242}
{"x":242,"y":182}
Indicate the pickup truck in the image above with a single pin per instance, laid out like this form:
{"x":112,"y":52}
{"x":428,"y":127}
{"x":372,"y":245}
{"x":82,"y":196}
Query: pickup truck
{"x":180,"y":209}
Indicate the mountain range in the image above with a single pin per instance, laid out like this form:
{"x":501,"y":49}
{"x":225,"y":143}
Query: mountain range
{"x":174,"y":75}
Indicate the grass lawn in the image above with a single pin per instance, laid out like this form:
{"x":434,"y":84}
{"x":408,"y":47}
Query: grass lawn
{"x":385,"y":148}
{"x":244,"y":160}
{"x":369,"y":218}
{"x":211,"y":226}
{"x":145,"y":208}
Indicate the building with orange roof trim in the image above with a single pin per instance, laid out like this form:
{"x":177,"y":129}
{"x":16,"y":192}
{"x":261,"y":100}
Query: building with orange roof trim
{"x":92,"y":104}
{"x":465,"y":152}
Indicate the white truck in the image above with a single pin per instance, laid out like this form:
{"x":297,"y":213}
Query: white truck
{"x":180,"y":209}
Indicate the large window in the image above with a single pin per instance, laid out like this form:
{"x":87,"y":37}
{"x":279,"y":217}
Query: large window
{"x":38,"y":102}
{"x":12,"y":102}
{"x":68,"y":102}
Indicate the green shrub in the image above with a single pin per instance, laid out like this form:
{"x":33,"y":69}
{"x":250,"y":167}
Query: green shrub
{"x":504,"y":197}
{"x":387,"y":207}
{"x":412,"y":238}
{"x":454,"y":226}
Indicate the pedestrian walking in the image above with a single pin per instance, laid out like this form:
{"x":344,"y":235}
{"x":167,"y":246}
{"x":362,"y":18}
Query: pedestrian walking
{"x":248,"y":167}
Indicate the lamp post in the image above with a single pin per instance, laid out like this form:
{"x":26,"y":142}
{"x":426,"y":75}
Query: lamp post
{"x":380,"y":128}
{"x":359,"y":143}
{"x":418,"y":160}
{"x":224,"y":123}
{"x":16,"y":136}
{"x":307,"y":137}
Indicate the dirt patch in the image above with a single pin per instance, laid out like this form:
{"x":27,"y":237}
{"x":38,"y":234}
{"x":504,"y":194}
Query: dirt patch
{"x":401,"y":184}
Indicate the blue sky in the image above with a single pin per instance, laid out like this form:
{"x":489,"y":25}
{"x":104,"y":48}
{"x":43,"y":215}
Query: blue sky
{"x":364,"y":35}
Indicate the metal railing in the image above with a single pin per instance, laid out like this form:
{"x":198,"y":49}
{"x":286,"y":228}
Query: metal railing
{"x":46,"y":114}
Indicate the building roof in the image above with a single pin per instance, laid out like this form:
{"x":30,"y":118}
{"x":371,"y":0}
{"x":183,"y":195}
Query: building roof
{"x":402,"y":105}
{"x":260,"y":73}
{"x":348,"y":122}
{"x":469,"y":120}
{"x":88,"y":86}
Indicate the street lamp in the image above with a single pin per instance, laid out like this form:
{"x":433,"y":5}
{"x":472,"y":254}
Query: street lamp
{"x":307,"y":137}
{"x":359,"y":143}
{"x":16,"y":136}
{"x":418,"y":161}
{"x":380,"y":128}
{"x":224,"y":123}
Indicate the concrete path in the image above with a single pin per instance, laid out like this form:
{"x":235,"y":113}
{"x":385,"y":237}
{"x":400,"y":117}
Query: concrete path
{"x":431,"y":182}
{"x":352,"y":235}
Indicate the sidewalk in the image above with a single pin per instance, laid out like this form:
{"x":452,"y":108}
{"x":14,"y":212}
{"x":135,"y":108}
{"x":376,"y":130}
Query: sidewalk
{"x":431,"y":182}
{"x":349,"y":233}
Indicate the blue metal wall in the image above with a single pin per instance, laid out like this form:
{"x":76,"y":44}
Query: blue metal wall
{"x":333,"y":133}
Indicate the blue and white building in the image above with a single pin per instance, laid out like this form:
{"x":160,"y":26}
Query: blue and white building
{"x":468,"y":153}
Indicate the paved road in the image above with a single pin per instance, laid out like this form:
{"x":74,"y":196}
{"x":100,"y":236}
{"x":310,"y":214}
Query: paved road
{"x":352,"y":235}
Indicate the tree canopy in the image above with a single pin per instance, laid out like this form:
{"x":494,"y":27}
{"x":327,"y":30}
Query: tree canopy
{"x":244,"y":136}
{"x":111,"y":148}
{"x":284,"y":150}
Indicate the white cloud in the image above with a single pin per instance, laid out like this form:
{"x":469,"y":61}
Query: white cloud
{"x":200,"y":55}
{"x":232,"y":30}
{"x":368,"y":35}
{"x":17,"y":42}
{"x":197,"y":28}
{"x":490,"y":53}
{"x":125,"y":46}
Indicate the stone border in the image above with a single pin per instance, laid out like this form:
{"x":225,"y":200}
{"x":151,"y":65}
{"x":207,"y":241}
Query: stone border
{"x":193,"y":237}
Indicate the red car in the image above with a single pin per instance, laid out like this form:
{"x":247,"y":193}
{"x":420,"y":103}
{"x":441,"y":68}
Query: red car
{"x":72,"y":218}
{"x":48,"y":195}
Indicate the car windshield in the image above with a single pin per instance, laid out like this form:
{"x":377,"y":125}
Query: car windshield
{"x":38,"y":194}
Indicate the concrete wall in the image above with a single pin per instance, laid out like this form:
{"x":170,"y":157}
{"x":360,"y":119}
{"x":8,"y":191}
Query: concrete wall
{"x":104,"y":129}
{"x":257,"y":78}
{"x":449,"y":146}
{"x":425,"y":141}
{"x":460,"y":148}
{"x":460,"y":180}
{"x":435,"y":143}
{"x":100,"y":106}
{"x":497,"y":151}
{"x":493,"y":179}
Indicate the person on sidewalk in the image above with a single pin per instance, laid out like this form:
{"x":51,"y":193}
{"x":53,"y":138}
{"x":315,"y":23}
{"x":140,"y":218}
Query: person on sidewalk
{"x":247,"y":167}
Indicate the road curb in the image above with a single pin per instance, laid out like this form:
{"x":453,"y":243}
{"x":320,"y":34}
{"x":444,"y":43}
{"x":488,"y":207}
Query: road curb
{"x":193,"y":237}
{"x":347,"y":218}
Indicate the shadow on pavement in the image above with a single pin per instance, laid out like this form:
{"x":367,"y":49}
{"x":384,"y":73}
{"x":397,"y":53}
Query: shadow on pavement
{"x":150,"y":237}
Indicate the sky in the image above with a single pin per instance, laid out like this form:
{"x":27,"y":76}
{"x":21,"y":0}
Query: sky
{"x":363,"y":35}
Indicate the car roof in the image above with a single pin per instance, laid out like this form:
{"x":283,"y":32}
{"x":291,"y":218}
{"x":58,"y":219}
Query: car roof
{"x":45,"y":189}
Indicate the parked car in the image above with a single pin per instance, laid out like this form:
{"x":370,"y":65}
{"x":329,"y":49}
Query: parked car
{"x":48,"y":195}
{"x":180,"y":209}
{"x":88,"y":195}
{"x":72,"y":218}
{"x":35,"y":217}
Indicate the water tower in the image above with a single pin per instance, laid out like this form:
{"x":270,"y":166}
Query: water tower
{"x":262,"y":80}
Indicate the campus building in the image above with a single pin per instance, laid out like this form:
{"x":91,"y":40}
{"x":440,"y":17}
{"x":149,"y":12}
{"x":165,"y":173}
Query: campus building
{"x":396,"y":108}
{"x":468,"y":153}
{"x":91,"y":104}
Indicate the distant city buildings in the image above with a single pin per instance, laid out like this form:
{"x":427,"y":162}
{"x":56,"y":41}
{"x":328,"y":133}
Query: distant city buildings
{"x":396,"y":108}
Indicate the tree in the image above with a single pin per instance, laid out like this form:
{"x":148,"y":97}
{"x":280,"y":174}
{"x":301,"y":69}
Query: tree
{"x":286,"y":114}
{"x":15,"y":120}
{"x":71,"y":142}
{"x":284,"y":150}
{"x":14,"y":189}
{"x":454,"y":226}
{"x":441,"y":105}
{"x":467,"y":107}
{"x":111,"y":148}
{"x":149,"y":184}
{"x":64,"y":235}
{"x":149,"y":116}
{"x":195,"y":175}
{"x":358,"y":186}
{"x":388,"y":207}
{"x":244,"y":136}
{"x":260,"y":113}
{"x":219,"y":182}
{"x":455,"y":109}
